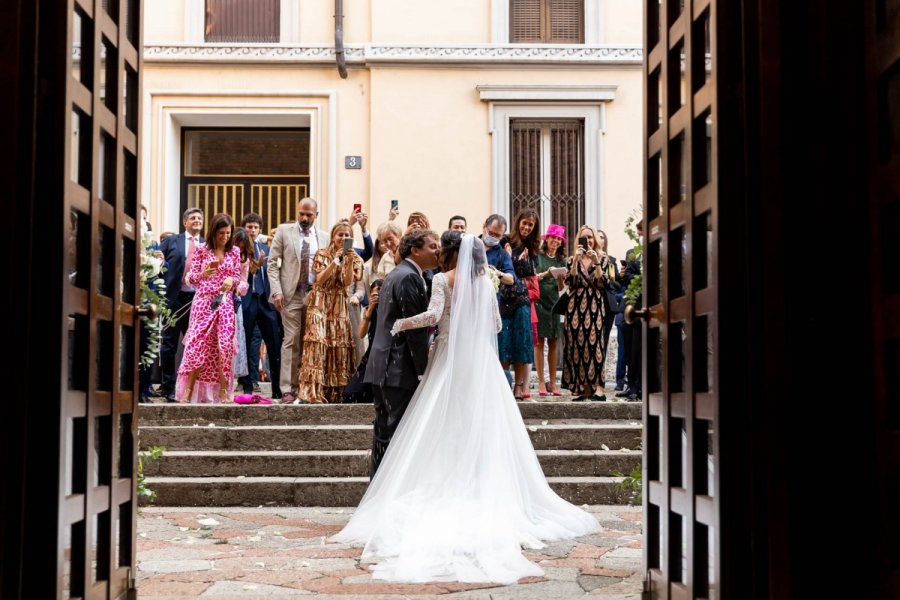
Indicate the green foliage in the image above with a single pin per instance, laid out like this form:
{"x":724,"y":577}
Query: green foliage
{"x":153,"y":453}
{"x":632,"y":485}
{"x":633,"y":291}
{"x":153,"y":291}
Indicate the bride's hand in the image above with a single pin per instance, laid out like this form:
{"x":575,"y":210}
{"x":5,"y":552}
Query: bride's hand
{"x":395,"y":329}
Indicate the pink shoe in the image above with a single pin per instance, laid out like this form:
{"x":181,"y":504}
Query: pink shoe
{"x":243,"y":399}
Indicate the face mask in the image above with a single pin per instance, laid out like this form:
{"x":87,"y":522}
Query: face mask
{"x":490,"y":241}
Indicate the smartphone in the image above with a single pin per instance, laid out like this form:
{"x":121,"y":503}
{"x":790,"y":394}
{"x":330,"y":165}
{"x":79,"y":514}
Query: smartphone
{"x":348,"y":243}
{"x":357,"y":208}
{"x":213,"y":264}
{"x":582,"y":241}
{"x":624,"y":262}
{"x":394,"y":204}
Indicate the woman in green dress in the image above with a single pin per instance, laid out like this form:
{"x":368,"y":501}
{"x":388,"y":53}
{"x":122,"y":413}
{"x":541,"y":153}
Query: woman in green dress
{"x":551,"y":256}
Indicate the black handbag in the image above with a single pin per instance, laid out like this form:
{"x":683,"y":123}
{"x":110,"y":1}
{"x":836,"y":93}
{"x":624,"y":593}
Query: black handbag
{"x":560,"y":306}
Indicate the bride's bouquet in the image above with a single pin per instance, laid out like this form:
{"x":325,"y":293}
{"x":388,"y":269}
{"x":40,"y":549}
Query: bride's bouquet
{"x":495,"y":279}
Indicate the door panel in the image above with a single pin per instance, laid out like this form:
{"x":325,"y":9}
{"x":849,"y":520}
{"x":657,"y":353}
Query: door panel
{"x":680,"y":285}
{"x":98,"y":419}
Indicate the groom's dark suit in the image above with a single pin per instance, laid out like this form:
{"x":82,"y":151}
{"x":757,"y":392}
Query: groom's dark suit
{"x":396,"y":363}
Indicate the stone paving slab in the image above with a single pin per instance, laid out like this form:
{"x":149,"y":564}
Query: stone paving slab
{"x":245,"y":553}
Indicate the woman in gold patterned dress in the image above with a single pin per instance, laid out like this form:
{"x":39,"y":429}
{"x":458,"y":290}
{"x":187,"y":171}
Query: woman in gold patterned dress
{"x":329,"y":351}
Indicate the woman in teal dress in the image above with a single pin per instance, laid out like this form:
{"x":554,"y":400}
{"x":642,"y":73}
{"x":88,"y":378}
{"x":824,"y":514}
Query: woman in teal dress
{"x":552,"y":255}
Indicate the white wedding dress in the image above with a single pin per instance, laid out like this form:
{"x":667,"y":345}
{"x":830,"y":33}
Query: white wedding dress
{"x":460,"y":489}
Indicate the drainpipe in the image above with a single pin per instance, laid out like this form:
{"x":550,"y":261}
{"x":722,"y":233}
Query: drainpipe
{"x":339,"y":38}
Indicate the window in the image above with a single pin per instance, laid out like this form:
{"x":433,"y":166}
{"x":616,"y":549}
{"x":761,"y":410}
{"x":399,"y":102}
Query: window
{"x":546,"y":170}
{"x":546,"y":21}
{"x":243,"y":21}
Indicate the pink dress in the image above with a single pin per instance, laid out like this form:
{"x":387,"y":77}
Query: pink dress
{"x":209,"y":343}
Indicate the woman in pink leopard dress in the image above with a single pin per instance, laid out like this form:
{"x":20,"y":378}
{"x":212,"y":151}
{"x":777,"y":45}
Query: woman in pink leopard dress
{"x":214,"y":269}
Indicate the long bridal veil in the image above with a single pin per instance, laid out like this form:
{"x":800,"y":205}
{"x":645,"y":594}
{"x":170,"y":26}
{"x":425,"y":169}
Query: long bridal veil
{"x":460,"y":489}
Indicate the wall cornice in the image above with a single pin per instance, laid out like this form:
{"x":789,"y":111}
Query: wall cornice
{"x":400,"y":54}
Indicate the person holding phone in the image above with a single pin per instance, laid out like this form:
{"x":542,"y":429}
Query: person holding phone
{"x":329,"y":352}
{"x":206,"y":373}
{"x":358,"y":217}
{"x":585,"y":346}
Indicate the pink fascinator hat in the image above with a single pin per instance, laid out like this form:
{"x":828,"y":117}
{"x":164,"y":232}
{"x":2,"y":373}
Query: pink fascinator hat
{"x":556,"y":231}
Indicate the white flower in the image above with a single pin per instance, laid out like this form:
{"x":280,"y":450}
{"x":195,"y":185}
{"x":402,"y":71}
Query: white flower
{"x":495,"y":280}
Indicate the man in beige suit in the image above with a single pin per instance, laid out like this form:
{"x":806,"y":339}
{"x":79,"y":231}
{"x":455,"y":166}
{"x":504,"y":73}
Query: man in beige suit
{"x":290,"y":280}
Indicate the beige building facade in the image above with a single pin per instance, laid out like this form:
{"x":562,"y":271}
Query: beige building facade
{"x":449,"y":107}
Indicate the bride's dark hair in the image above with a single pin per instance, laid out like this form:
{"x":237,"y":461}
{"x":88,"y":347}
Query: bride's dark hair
{"x":450,"y":243}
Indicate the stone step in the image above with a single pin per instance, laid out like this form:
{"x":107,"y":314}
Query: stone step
{"x":355,"y":463}
{"x":354,"y":414}
{"x":329,"y":491}
{"x":550,"y":436}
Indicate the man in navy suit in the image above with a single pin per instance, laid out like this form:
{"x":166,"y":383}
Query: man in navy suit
{"x":175,"y":248}
{"x":259,"y":312}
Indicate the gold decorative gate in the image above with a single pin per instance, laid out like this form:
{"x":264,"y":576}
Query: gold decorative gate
{"x":681,"y":502}
{"x":275,"y":203}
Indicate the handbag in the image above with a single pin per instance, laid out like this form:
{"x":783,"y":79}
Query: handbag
{"x":560,"y":306}
{"x":511,"y":297}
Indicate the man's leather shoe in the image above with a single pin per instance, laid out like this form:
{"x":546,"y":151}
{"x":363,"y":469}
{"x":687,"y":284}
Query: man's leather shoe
{"x":633,"y":397}
{"x":624,"y":393}
{"x":619,"y":387}
{"x":170,"y":397}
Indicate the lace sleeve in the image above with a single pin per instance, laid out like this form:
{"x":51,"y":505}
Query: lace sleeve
{"x":498,"y":322}
{"x":431,"y":316}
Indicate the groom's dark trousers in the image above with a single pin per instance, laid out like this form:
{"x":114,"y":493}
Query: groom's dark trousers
{"x":395,"y":362}
{"x":390,"y":405}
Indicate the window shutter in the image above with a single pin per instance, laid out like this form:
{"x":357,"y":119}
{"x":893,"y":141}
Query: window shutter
{"x":566,"y":21}
{"x":243,"y":21}
{"x":525,"y":21}
{"x":546,"y":21}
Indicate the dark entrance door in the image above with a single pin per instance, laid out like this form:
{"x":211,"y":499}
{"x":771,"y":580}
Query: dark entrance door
{"x":237,"y":171}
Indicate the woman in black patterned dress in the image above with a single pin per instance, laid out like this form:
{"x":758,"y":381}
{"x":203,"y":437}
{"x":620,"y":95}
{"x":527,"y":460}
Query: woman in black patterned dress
{"x":585,"y":345}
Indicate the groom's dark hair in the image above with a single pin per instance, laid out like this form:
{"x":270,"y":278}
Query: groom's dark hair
{"x":414,"y":239}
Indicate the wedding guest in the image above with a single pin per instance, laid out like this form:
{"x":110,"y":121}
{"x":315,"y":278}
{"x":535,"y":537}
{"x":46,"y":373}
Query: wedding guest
{"x":259,"y":315}
{"x":243,"y":242}
{"x":176,"y":248}
{"x":548,"y":328}
{"x":457,"y":223}
{"x":205,"y":374}
{"x":328,"y":349}
{"x":290,"y":278}
{"x":610,"y":302}
{"x":585,"y":349}
{"x":356,"y":390}
{"x":516,"y":345}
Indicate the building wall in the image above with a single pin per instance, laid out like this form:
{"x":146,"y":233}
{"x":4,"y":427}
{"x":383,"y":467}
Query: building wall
{"x":410,"y":107}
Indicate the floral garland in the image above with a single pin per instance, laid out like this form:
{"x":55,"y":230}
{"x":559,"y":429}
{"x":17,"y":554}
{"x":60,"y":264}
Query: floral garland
{"x":153,"y":291}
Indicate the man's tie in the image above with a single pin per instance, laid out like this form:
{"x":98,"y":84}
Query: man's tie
{"x":304,"y":261}
{"x":191,"y":248}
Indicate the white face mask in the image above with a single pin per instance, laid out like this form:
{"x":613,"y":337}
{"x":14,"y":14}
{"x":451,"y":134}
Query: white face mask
{"x":490,"y":241}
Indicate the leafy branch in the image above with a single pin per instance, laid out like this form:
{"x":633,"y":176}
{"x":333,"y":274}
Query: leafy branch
{"x":631,"y":484}
{"x":153,"y":453}
{"x":633,"y":291}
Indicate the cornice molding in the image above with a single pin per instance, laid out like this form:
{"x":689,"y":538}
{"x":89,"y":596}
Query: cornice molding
{"x":546,"y":92}
{"x":410,"y":54}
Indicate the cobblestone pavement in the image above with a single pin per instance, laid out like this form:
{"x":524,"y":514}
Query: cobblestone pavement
{"x":260,"y":552}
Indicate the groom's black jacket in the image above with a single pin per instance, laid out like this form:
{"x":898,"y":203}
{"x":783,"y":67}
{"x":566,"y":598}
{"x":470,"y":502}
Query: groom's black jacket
{"x":399,"y":361}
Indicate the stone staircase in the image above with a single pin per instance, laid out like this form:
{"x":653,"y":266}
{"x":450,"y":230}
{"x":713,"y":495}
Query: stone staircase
{"x":287,"y":455}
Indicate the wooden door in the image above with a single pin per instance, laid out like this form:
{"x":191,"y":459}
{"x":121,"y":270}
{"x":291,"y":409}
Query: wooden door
{"x":71,"y":93}
{"x":681,"y":502}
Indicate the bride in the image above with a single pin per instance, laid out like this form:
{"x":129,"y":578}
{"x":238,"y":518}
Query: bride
{"x":460,"y":489}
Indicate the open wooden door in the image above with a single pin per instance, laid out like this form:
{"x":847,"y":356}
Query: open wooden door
{"x":72,"y":73}
{"x":680,"y":292}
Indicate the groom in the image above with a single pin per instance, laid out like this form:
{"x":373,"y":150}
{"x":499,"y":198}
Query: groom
{"x":396,"y":363}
